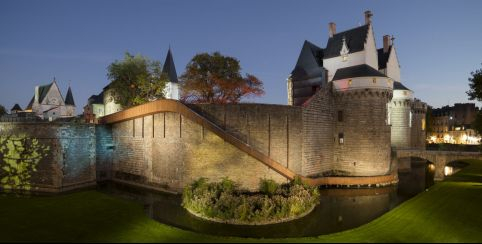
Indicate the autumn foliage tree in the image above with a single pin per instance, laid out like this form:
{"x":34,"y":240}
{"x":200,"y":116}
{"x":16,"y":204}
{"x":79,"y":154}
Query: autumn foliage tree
{"x":214,"y":78}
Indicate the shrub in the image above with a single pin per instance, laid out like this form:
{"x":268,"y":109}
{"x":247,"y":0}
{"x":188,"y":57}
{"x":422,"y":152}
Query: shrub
{"x":274,"y":202}
{"x":268,"y":187}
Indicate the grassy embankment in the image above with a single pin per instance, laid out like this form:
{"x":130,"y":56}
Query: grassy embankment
{"x":451,"y":211}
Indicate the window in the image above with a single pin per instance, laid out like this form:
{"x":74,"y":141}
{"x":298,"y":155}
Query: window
{"x":374,"y":80}
{"x":341,"y":139}
{"x":423,"y":124}
{"x":315,"y":88}
{"x":340,"y":116}
{"x":349,"y":82}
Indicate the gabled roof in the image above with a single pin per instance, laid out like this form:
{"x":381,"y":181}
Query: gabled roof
{"x":383,"y":57}
{"x":69,"y":99}
{"x":355,"y":40}
{"x":16,"y":107}
{"x":399,"y":86}
{"x":309,"y":62}
{"x":169,"y":68}
{"x":362,"y":70}
{"x":43,"y":90}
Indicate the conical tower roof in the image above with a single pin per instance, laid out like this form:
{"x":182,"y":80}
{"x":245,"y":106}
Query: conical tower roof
{"x":69,"y":99}
{"x":169,"y":68}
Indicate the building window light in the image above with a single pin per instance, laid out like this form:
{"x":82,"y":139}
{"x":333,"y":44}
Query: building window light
{"x":349,"y":82}
{"x":341,"y":138}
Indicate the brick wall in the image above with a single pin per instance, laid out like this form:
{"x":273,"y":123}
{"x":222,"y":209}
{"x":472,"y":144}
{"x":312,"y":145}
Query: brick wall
{"x":318,"y":126}
{"x":71,"y":160}
{"x":167,"y":150}
{"x":366,"y":148}
{"x":400,"y":123}
{"x":275,"y":130}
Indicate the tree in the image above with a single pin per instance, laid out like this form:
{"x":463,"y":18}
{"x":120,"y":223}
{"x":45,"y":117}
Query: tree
{"x":217,"y":79}
{"x":475,"y":92}
{"x":2,"y":110}
{"x":475,"y":83}
{"x":136,"y":80}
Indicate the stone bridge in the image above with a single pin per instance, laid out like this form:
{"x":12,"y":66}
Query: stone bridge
{"x":439,"y":158}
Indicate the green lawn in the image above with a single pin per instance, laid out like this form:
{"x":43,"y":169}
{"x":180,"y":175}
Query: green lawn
{"x":451,"y":211}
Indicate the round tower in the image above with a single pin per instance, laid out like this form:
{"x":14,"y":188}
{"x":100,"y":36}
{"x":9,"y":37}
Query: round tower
{"x":401,"y":116}
{"x":362,"y":134}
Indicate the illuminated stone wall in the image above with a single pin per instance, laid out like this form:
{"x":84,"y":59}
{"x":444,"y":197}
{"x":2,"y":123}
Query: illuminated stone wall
{"x":318,"y":126}
{"x":400,"y":123}
{"x":168,"y":151}
{"x":70,"y":161}
{"x":418,"y":132}
{"x":275,"y":130}
{"x":365,"y":150}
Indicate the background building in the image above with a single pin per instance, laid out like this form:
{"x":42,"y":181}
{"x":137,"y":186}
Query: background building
{"x":48,"y":102}
{"x":454,"y":124}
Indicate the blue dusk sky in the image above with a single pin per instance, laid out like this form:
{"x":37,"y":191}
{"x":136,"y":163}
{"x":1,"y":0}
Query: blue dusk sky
{"x":438,"y":42}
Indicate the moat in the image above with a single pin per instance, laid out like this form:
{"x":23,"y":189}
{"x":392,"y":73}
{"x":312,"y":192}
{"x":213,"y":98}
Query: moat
{"x":339,"y":209}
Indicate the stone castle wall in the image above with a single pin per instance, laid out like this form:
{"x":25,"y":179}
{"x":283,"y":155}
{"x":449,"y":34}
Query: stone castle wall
{"x":418,"y":132}
{"x":318,"y":125}
{"x":275,"y":130}
{"x":71,"y":159}
{"x":400,"y":123}
{"x":366,"y":149}
{"x":166,"y":150}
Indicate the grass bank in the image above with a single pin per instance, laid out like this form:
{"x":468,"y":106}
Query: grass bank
{"x":451,"y":211}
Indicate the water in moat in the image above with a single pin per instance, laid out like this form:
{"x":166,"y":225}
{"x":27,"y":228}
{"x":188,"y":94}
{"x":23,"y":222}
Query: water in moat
{"x":339,"y":209}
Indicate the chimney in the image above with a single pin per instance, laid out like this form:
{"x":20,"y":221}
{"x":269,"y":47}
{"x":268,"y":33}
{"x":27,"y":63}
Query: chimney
{"x":36,"y":95}
{"x":332,"y":28}
{"x":386,"y":43}
{"x":368,"y":17}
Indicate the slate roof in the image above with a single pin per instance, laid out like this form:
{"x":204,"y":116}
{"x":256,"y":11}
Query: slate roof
{"x":169,"y":68}
{"x":69,"y":99}
{"x":16,"y":107}
{"x":43,"y":90}
{"x":399,"y":86}
{"x":310,"y":62}
{"x":383,"y":57}
{"x":362,"y":70}
{"x":97,"y":99}
{"x":355,"y":40}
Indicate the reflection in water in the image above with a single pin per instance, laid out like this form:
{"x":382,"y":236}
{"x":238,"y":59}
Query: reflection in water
{"x":339,"y":209}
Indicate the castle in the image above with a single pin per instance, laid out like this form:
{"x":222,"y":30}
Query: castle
{"x":370,"y":109}
{"x":348,"y":110}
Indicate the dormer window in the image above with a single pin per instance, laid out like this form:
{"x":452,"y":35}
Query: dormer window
{"x":344,"y":50}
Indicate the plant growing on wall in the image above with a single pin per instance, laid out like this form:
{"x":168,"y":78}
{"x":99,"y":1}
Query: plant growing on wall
{"x":19,"y":157}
